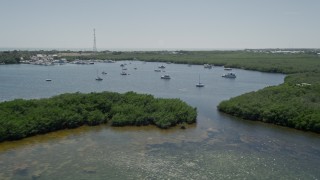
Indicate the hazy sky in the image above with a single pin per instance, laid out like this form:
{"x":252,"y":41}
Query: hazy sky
{"x":161,"y":24}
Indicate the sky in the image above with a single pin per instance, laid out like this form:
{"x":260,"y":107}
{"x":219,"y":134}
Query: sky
{"x":160,"y":24}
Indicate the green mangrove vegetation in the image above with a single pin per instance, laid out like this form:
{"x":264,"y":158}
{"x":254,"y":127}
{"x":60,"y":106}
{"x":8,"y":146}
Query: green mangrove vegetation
{"x":260,"y":61}
{"x":295,"y":103}
{"x":22,"y":118}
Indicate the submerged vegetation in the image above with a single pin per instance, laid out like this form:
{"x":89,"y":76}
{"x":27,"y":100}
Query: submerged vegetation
{"x":22,"y":118}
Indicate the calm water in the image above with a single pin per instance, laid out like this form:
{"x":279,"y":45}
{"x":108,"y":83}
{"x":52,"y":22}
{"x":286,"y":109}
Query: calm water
{"x":217,"y":147}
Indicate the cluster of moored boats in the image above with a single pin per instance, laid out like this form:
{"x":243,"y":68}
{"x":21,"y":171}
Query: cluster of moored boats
{"x":227,"y":75}
{"x":90,"y":62}
{"x":51,"y":62}
{"x":159,"y":69}
{"x":44,"y":62}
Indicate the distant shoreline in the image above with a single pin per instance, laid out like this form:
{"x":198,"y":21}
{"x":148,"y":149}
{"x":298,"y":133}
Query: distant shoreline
{"x":148,"y":49}
{"x":121,"y":49}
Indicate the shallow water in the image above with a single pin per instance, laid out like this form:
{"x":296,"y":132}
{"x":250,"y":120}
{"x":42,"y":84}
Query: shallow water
{"x":217,"y":147}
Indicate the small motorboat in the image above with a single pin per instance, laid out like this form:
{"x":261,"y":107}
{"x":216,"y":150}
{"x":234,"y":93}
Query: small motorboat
{"x":99,"y":78}
{"x":208,"y":66}
{"x":165,"y":77}
{"x":229,"y":75}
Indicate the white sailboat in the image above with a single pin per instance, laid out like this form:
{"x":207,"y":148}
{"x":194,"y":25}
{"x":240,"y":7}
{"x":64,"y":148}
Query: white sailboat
{"x":98,"y":78}
{"x":199,"y":83}
{"x":48,"y":79}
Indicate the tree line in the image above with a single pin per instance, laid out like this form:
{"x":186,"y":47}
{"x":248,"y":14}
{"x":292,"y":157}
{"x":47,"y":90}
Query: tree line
{"x":262,"y":61}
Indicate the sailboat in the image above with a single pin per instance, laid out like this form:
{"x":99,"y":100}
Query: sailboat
{"x":199,"y":84}
{"x":48,"y":79}
{"x":98,"y":78}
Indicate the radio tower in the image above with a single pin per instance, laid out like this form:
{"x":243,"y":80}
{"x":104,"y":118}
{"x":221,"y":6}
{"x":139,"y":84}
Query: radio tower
{"x":94,"y":41}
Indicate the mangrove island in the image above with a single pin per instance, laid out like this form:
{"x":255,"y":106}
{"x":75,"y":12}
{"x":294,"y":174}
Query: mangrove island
{"x":22,"y":118}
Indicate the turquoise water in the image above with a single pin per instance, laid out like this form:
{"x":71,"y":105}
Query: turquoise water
{"x":217,"y":147}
